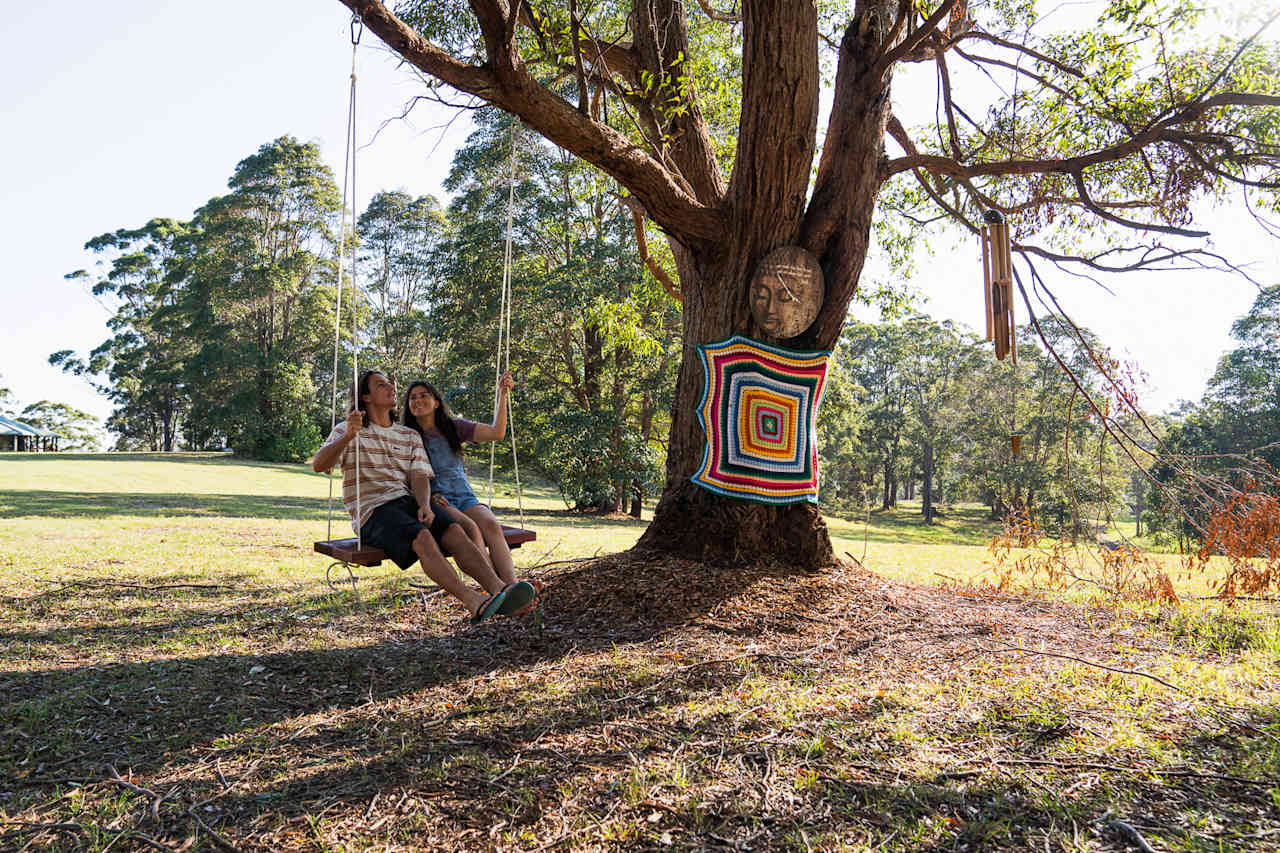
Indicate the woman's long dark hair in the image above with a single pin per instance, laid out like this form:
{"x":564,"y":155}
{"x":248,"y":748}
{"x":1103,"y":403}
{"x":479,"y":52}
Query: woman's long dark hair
{"x":443,"y":417}
{"x":357,"y":399}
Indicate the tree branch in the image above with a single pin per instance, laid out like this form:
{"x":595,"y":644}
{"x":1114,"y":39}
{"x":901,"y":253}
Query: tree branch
{"x":1154,"y":257}
{"x":915,"y":39}
{"x":574,"y":31}
{"x":661,"y":47}
{"x":778,"y":141}
{"x":1022,"y":48}
{"x":837,"y":223}
{"x":716,"y":15}
{"x":642,"y":245}
{"x":977,"y":59}
{"x":1163,"y":132}
{"x":944,"y":78}
{"x":1088,"y":202}
{"x":505,"y":82}
{"x":1243,"y":46}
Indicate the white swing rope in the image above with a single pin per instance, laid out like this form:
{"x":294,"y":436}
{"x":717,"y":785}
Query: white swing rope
{"x":348,"y":175}
{"x":504,"y":331}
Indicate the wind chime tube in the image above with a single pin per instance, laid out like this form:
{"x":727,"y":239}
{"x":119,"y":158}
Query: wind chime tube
{"x":1013,"y":323}
{"x":997,"y":292}
{"x":1007,"y":265}
{"x":1013,"y":329}
{"x":986,"y":279}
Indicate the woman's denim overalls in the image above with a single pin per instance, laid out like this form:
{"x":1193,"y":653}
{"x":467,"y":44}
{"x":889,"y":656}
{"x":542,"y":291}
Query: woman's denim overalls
{"x":451,"y":480}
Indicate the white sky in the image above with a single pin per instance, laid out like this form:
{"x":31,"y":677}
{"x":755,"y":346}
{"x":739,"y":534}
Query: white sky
{"x":117,"y":113}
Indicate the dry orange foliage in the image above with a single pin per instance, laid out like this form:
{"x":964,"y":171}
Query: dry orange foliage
{"x":1123,"y":574}
{"x":1245,"y":530}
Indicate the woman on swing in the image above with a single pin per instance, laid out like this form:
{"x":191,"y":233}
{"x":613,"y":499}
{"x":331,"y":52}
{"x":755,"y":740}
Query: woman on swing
{"x":443,"y":434}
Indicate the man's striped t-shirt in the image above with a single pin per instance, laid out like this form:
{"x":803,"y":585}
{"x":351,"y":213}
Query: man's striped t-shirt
{"x":389,"y":457}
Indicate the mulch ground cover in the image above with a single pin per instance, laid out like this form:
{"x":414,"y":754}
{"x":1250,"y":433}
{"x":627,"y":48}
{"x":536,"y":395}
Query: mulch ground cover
{"x":650,"y":704}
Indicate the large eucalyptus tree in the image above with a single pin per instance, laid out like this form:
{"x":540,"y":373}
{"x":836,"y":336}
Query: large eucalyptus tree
{"x":709,"y":119}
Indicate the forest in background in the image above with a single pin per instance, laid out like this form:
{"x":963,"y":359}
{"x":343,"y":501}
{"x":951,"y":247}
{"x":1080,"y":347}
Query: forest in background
{"x":223,"y":337}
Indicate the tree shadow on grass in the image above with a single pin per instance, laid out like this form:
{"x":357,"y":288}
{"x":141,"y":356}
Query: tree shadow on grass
{"x":142,"y":713}
{"x":47,"y":504}
{"x":539,"y":764}
{"x":731,"y":780}
{"x":224,"y":459}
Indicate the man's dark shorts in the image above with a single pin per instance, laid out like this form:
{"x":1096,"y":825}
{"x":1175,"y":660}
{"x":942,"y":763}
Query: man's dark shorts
{"x":394,"y":525}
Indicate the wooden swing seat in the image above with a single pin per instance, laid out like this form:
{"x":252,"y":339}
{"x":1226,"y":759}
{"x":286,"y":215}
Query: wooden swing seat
{"x":345,"y":550}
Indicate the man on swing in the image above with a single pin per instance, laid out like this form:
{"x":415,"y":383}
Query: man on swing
{"x":394,"y":508}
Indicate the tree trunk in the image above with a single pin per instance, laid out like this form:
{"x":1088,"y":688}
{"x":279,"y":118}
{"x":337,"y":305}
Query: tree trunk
{"x":1138,"y":485}
{"x":926,"y":487}
{"x":765,"y":206}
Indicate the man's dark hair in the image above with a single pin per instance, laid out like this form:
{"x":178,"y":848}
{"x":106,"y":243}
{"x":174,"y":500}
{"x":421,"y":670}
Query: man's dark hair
{"x":443,"y":417}
{"x":356,"y":401}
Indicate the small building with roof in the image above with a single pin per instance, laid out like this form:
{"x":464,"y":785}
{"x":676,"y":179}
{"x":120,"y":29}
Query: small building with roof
{"x":24,"y":438}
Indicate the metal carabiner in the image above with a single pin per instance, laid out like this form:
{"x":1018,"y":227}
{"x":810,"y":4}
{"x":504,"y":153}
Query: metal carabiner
{"x":357,"y":29}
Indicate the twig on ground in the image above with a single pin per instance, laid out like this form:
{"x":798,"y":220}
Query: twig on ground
{"x":508,"y":771}
{"x":1087,"y":662}
{"x":147,"y":840}
{"x":35,"y":827}
{"x":1127,"y":831}
{"x":570,"y":562}
{"x":217,"y":839}
{"x":155,"y":798}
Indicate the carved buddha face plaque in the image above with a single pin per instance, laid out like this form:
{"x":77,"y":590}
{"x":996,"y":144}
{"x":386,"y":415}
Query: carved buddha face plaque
{"x":787,"y":292}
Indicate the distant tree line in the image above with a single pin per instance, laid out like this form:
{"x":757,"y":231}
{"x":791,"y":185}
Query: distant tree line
{"x":76,"y":429}
{"x":223,"y":331}
{"x":922,"y":409}
{"x":1230,"y":439}
{"x":223,"y":337}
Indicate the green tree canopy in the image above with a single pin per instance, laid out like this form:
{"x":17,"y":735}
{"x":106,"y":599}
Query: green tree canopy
{"x":260,"y":290}
{"x":140,"y":367}
{"x":77,"y":430}
{"x":593,"y":338}
{"x":401,"y":242}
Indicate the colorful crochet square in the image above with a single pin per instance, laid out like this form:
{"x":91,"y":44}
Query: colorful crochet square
{"x":759,"y":407}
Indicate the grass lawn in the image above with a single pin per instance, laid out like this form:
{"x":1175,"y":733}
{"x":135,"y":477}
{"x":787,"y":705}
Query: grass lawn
{"x":175,"y":674}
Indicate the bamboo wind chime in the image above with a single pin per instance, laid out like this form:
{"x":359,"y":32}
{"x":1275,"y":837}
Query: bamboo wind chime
{"x":997,"y":273}
{"x":997,"y":289}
